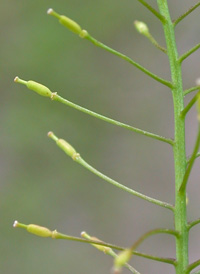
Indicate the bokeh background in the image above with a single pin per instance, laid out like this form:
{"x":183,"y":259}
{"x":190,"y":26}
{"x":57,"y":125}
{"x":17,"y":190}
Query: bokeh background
{"x":39,"y":183}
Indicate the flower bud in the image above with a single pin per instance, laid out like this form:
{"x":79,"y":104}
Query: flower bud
{"x":39,"y":88}
{"x":198,"y":81}
{"x":39,"y":230}
{"x":141,"y":27}
{"x":67,"y":22}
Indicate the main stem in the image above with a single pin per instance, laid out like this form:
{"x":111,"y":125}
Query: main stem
{"x":180,"y":213}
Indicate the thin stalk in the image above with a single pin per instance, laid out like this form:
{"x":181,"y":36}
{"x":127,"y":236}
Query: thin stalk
{"x":111,"y":121}
{"x":180,"y":213}
{"x":152,"y":10}
{"x":189,"y":106}
{"x":180,"y":18}
{"x":191,"y":162}
{"x":44,"y":91}
{"x":187,"y":91}
{"x":188,"y":53}
{"x":156,"y":44}
{"x":191,"y":224}
{"x":197,"y":156}
{"x":155,"y":258}
{"x":139,"y":254}
{"x":45,"y":232}
{"x":153,"y":232}
{"x":107,"y":251}
{"x":70,"y":151}
{"x":128,"y":59}
{"x":129,"y":190}
{"x":192,"y":266}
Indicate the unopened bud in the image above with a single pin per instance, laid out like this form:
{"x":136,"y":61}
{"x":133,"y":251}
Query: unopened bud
{"x":141,"y":27}
{"x":67,"y":22}
{"x":39,"y":88}
{"x":198,"y":81}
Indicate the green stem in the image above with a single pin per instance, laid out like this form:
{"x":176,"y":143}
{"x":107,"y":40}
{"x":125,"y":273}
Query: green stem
{"x":180,"y":213}
{"x":191,"y":224}
{"x":189,"y":105}
{"x":153,"y":232}
{"x":129,"y":190}
{"x":192,"y":266}
{"x":152,"y":10}
{"x":180,"y":18}
{"x":156,"y":44}
{"x":126,"y":58}
{"x":191,"y":162}
{"x":197,"y":156}
{"x":108,"y":251}
{"x":191,"y":90}
{"x":111,"y":121}
{"x":188,"y":53}
{"x":70,"y":151}
{"x":147,"y":256}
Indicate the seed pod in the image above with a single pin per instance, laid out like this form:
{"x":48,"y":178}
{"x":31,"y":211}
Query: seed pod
{"x":70,"y":24}
{"x":39,"y":88}
{"x":66,"y":147}
{"x":39,"y":230}
{"x":122,"y":258}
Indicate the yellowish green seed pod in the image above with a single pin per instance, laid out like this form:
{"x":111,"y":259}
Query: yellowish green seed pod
{"x":122,"y":258}
{"x":39,"y":230}
{"x":65,"y":21}
{"x":141,"y":27}
{"x":105,"y":249}
{"x":39,"y":88}
{"x":70,"y":24}
{"x":66,"y":147}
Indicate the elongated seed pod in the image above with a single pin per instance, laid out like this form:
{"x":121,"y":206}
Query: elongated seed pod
{"x":66,"y":147}
{"x":70,"y":24}
{"x":39,"y":230}
{"x":39,"y":88}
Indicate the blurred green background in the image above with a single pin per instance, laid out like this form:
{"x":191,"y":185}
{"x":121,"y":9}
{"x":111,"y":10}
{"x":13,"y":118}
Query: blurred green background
{"x":39,"y":183}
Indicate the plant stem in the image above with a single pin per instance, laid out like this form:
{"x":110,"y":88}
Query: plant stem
{"x":139,"y":254}
{"x":188,"y":53}
{"x":191,"y":90}
{"x":115,"y":183}
{"x":180,"y":18}
{"x":153,"y":232}
{"x":112,"y":121}
{"x":189,"y":105}
{"x":191,"y":224}
{"x":152,"y":10}
{"x":108,"y":251}
{"x":191,"y":162}
{"x":70,"y":151}
{"x":180,"y":213}
{"x":128,"y":59}
{"x":192,"y":266}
